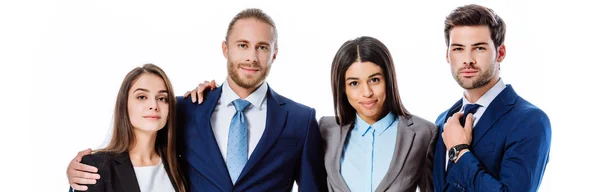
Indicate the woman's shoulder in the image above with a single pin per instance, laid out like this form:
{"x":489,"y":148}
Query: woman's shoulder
{"x":328,"y":124}
{"x":100,"y":158}
{"x":420,"y":124}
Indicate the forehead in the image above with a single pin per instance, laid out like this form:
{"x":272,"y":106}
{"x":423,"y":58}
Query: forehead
{"x":252,"y":30}
{"x":359,"y":69}
{"x":148,"y":81}
{"x":467,"y":35}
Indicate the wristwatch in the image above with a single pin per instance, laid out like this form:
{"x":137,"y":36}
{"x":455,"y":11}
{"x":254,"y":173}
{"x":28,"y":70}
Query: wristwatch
{"x":453,"y":153}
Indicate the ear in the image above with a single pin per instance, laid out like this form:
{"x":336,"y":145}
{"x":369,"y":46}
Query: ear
{"x":501,"y":53}
{"x":447,"y":58}
{"x":275,"y":55}
{"x":225,"y":49}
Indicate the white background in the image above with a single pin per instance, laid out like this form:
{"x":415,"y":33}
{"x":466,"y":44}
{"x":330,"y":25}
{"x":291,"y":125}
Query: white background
{"x":62,"y":63}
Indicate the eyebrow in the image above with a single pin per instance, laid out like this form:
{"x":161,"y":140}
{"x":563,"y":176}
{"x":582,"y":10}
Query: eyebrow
{"x":476,"y":44}
{"x":259,"y":43}
{"x":146,"y":90}
{"x":370,"y":76}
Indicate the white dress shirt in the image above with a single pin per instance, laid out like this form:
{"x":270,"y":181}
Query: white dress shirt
{"x":153,"y":178}
{"x":484,"y":102}
{"x":256,"y":116}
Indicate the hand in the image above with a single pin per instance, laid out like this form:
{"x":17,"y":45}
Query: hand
{"x":454,"y":134}
{"x":80,"y":174}
{"x":200,"y":91}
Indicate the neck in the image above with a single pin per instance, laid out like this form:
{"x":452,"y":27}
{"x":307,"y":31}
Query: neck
{"x":473,"y":95}
{"x":241,"y":91}
{"x":372,"y":120}
{"x":143,"y":152}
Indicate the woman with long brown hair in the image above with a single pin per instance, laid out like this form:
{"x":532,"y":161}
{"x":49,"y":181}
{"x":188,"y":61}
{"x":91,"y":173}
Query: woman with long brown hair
{"x":373,"y":143}
{"x":141,"y":154}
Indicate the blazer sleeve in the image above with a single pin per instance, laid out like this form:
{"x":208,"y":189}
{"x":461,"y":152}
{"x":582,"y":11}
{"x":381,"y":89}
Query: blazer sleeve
{"x":310,"y":174}
{"x":523,"y":163}
{"x":426,"y":180}
{"x":99,"y":186}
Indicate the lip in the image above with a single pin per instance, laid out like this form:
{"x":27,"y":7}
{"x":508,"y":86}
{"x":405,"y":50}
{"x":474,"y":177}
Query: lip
{"x":468,"y":72}
{"x":151,"y":117}
{"x":249,"y":70}
{"x":368,"y":104}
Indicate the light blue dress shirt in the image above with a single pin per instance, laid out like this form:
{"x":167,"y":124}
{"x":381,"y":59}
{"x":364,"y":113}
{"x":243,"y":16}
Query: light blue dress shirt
{"x":368,"y":152}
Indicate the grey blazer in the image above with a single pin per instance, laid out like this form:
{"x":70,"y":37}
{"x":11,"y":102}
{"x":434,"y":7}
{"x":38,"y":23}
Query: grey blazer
{"x":411,"y":164}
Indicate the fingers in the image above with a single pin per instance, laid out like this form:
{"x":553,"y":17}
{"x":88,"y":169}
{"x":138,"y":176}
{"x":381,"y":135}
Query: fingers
{"x":86,"y":168}
{"x":82,"y":181}
{"x":186,"y":94}
{"x":469,"y":123}
{"x":84,"y":175}
{"x":83,"y":153}
{"x":454,"y":117}
{"x":201,"y":88}
{"x":194,"y":95}
{"x":79,"y":187}
{"x":213,"y":85}
{"x":457,"y":116}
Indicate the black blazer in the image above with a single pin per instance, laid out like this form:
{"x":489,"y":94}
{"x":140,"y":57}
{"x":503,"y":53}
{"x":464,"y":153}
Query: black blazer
{"x":116,"y":172}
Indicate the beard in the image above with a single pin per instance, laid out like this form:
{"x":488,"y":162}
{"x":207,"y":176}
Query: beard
{"x":478,"y":81}
{"x":246,"y":81}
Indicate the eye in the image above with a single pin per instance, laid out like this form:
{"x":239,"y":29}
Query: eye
{"x":457,"y":49}
{"x":375,"y":80}
{"x":242,"y":45}
{"x":263,"y":48}
{"x":480,"y":48}
{"x":163,"y":99}
{"x":353,"y":84}
{"x":141,"y":97}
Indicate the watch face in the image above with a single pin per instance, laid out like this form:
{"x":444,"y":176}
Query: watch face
{"x":452,"y":154}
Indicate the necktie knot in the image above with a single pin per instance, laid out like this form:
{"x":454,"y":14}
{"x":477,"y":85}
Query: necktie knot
{"x":469,"y":108}
{"x":240,"y":105}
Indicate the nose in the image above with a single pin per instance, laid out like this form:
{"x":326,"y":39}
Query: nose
{"x":252,"y":57}
{"x":153,"y":105}
{"x":367,"y":91}
{"x":469,"y":59}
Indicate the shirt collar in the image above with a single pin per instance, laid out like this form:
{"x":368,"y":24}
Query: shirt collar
{"x":256,"y":98}
{"x":382,"y":125}
{"x":488,"y":97}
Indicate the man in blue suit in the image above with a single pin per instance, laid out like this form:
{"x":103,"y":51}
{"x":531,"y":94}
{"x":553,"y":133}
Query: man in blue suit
{"x":491,"y":139}
{"x":244,"y":136}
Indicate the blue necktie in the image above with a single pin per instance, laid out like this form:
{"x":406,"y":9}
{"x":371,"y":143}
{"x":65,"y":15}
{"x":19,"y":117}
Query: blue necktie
{"x":469,"y":108}
{"x":237,"y":142}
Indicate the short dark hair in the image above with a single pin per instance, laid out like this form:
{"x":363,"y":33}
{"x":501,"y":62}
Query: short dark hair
{"x":472,"y":15}
{"x":253,"y":13}
{"x":364,"y":49}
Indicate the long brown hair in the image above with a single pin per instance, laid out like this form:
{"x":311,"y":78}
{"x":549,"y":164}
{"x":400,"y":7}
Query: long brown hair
{"x":365,"y":49}
{"x":123,"y":137}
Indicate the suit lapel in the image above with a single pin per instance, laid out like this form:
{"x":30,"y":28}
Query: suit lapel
{"x":404,"y":141}
{"x":276,"y":118}
{"x":205,"y":145}
{"x":125,"y":173}
{"x":498,"y":107}
{"x":337,"y":160}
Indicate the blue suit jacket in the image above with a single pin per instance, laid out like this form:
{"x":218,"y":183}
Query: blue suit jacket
{"x":289,"y":150}
{"x":509,"y":151}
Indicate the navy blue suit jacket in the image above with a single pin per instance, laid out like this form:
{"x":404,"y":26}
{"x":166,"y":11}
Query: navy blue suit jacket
{"x":289,"y":150}
{"x":509,"y":151}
